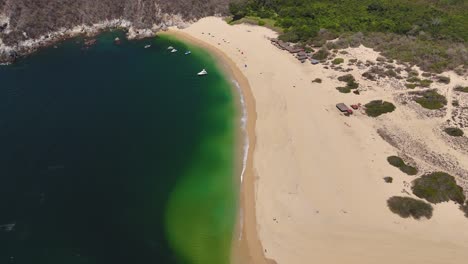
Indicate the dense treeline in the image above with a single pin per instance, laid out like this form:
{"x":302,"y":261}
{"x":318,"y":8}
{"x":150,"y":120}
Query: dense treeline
{"x":444,"y":21}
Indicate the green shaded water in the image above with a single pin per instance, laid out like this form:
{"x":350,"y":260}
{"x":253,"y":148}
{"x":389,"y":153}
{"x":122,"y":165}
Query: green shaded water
{"x":117,"y":154}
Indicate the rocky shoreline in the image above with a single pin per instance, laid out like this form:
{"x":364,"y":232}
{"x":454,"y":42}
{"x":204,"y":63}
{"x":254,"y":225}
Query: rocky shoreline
{"x":9,"y":54}
{"x":26,"y":26}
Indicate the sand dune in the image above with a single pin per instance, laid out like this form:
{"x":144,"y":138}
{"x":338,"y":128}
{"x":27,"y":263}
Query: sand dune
{"x":314,"y":192}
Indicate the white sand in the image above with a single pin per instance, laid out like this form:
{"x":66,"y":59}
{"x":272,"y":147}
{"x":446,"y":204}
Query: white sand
{"x":319,"y":193}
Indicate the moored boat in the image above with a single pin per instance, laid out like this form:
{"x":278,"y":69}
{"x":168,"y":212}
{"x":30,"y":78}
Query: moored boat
{"x":203,"y":72}
{"x":147,"y":46}
{"x":188,"y":52}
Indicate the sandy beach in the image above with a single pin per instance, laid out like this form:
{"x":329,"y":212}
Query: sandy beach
{"x":314,"y":191}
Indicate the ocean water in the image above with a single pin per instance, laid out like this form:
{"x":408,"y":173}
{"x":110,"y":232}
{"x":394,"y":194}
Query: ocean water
{"x":116,"y":154}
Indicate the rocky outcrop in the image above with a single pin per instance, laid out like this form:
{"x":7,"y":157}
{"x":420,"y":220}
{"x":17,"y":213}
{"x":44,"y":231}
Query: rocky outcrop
{"x":26,"y":25}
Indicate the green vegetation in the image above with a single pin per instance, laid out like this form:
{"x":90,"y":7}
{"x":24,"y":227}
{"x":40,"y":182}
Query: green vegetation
{"x":378,"y":107}
{"x":454,"y":131}
{"x":438,"y":187}
{"x":431,"y":99}
{"x":443,"y":79}
{"x":321,"y":55}
{"x":413,"y":82}
{"x":399,"y":163}
{"x":406,"y":207}
{"x":464,"y":208}
{"x":338,"y":61}
{"x":350,"y":83}
{"x":428,"y":33}
{"x":462,"y":89}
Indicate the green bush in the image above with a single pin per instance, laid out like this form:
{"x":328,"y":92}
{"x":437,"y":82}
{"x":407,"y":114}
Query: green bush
{"x":438,"y":187}
{"x":321,"y":54}
{"x":443,"y":79}
{"x":410,"y":85}
{"x":431,"y":99}
{"x":413,"y":80}
{"x":425,"y":83}
{"x":462,"y":89}
{"x":399,"y":163}
{"x":464,"y":208}
{"x":395,"y":161}
{"x":409,"y":207}
{"x":454,"y":131}
{"x":378,"y":107}
{"x":388,"y":179}
{"x":261,"y":23}
{"x":343,"y":89}
{"x":338,"y":61}
{"x":346,"y":78}
{"x":410,"y":170}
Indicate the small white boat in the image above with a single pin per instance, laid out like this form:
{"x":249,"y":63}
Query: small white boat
{"x":173,"y":50}
{"x":170,"y":48}
{"x":188,"y":52}
{"x":203,"y":72}
{"x":147,"y":46}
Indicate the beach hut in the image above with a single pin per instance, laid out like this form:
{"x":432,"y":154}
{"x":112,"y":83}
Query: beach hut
{"x":344,"y":108}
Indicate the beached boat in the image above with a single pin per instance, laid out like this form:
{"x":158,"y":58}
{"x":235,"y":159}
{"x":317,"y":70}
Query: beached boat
{"x":188,"y":52}
{"x":173,"y":50}
{"x":203,"y":72}
{"x":170,"y":48}
{"x":147,"y":46}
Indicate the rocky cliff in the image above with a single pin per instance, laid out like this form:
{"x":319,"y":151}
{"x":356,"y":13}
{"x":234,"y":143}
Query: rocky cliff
{"x":26,"y":25}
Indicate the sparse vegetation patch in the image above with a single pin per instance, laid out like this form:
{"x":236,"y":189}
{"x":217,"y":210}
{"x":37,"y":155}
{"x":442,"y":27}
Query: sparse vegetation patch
{"x":409,"y":207}
{"x":378,"y":107}
{"x":454,"y":131}
{"x":399,"y":163}
{"x":430,"y":99}
{"x":438,"y":187}
{"x":443,"y":79}
{"x":462,"y":89}
{"x":338,"y":61}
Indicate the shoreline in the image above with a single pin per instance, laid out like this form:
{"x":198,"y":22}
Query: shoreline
{"x":247,"y":249}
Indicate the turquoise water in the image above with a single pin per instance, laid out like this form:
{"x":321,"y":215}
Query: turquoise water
{"x":116,"y":154}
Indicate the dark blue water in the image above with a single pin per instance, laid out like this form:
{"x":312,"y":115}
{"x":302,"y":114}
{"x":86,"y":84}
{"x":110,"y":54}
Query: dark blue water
{"x":93,"y":144}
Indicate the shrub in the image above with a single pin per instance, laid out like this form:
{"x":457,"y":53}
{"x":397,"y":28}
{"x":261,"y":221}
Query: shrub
{"x":338,"y":61}
{"x":391,"y":73}
{"x":346,"y":78}
{"x":431,"y":100}
{"x":395,"y":161}
{"x":410,"y":85}
{"x":454,"y":131}
{"x":413,"y":79}
{"x":399,"y":163}
{"x":352,"y":60}
{"x":425,"y":83}
{"x":388,"y":179}
{"x":410,"y":170}
{"x":464,"y":208}
{"x":321,"y":54}
{"x":462,"y":89}
{"x":343,"y":89}
{"x":378,"y":107}
{"x":317,"y":80}
{"x":406,"y":207}
{"x":443,"y":79}
{"x":438,"y":187}
{"x":426,"y":74}
{"x":455,"y":103}
{"x":261,"y":23}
